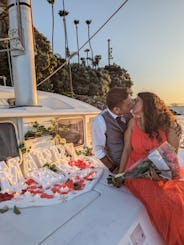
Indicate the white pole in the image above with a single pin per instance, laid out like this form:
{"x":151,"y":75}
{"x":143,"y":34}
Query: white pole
{"x":22,"y":52}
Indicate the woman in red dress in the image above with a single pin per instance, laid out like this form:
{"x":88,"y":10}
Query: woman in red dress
{"x":164,"y":199}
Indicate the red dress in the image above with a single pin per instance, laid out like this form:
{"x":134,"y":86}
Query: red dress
{"x":164,"y":199}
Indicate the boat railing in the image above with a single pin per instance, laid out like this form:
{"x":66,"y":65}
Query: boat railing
{"x":4,"y":39}
{"x":8,"y":50}
{"x":4,"y":78}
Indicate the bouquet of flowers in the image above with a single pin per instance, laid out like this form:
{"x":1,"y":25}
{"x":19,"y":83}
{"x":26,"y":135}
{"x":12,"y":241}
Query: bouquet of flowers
{"x":163,"y":160}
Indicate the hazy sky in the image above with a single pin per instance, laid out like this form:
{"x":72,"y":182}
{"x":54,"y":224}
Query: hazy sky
{"x":147,"y":38}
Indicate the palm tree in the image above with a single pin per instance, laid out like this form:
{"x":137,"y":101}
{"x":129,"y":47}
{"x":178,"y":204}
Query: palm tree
{"x":52,"y":5}
{"x":88,"y":22}
{"x":97,"y":60}
{"x":63,"y":13}
{"x":83,"y":61}
{"x":87,"y":56}
{"x":76,"y":22}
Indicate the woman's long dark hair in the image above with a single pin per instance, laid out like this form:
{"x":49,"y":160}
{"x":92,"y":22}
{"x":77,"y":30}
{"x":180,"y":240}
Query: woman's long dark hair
{"x":156,"y":114}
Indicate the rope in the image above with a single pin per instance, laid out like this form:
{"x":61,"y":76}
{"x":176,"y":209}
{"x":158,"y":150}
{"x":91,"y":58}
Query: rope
{"x":75,"y":53}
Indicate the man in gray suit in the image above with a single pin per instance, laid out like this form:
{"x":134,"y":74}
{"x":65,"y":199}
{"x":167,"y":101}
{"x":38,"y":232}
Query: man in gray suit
{"x":109,"y":126}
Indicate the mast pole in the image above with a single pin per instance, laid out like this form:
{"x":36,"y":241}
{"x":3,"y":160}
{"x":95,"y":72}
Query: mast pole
{"x":22,"y":52}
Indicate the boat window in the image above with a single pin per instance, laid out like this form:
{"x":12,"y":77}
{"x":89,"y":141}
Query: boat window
{"x":72,"y":130}
{"x":8,"y":141}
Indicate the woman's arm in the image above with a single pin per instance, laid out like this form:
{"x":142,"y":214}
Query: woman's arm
{"x":127,"y":146}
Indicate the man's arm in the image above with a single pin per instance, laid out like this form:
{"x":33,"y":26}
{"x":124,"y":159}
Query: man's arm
{"x":173,"y":138}
{"x":98,"y":129}
{"x":178,"y":129}
{"x":108,"y":163}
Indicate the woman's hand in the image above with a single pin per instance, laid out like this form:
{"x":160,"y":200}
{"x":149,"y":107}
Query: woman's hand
{"x":116,"y":170}
{"x":120,"y":183}
{"x":153,"y":175}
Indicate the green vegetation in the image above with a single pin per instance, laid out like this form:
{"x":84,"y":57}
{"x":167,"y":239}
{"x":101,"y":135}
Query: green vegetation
{"x":51,"y":166}
{"x":39,"y":130}
{"x":87,"y":151}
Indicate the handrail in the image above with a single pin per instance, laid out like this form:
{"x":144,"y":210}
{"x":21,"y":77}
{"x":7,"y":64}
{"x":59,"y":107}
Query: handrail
{"x":4,"y":79}
{"x":4,"y":39}
{"x":8,"y":49}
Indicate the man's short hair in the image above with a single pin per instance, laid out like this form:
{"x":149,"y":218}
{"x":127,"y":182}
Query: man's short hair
{"x":116,"y":96}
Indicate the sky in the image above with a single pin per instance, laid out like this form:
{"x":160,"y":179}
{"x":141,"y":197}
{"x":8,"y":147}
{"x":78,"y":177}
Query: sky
{"x":147,"y":38}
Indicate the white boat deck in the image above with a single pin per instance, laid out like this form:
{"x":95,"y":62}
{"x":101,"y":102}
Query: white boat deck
{"x":48,"y":104}
{"x":105,"y":215}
